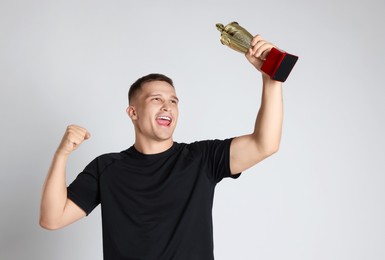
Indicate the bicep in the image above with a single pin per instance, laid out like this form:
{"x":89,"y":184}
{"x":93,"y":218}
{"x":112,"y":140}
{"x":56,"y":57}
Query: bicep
{"x":244,"y":153}
{"x":72,"y":213}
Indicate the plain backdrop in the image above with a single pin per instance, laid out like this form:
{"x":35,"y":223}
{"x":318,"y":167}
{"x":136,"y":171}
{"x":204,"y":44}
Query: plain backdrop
{"x":320,"y":197}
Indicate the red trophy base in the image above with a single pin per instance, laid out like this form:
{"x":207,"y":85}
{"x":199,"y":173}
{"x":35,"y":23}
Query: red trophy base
{"x":278,"y":64}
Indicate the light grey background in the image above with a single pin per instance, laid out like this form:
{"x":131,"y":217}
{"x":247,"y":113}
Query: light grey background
{"x":321,"y":197}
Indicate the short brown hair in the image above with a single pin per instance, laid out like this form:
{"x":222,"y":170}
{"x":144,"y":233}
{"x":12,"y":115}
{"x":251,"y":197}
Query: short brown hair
{"x":137,"y":85}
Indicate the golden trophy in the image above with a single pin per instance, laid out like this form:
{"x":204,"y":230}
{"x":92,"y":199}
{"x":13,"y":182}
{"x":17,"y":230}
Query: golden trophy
{"x":278,"y":64}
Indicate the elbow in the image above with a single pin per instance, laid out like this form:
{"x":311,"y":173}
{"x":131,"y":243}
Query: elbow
{"x":266,"y":145}
{"x":48,"y":225}
{"x":272,"y":149}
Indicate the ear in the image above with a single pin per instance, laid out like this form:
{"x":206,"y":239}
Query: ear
{"x":131,"y":112}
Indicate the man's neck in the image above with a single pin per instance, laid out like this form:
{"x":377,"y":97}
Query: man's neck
{"x":153,"y":147}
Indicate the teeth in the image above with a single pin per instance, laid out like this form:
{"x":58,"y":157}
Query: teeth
{"x":165,"y":118}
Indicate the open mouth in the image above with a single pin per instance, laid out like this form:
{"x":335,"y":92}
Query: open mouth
{"x":164,"y":120}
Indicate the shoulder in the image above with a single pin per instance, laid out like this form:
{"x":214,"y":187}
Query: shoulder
{"x":111,"y":156}
{"x":101,"y":162}
{"x":205,"y":147}
{"x":212,"y":143}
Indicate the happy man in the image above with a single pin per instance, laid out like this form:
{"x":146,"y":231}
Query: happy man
{"x":156,"y":196}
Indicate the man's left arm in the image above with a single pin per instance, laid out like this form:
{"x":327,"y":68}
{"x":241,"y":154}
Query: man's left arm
{"x":248,"y":150}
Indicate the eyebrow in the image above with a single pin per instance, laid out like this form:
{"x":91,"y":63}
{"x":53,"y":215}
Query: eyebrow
{"x":159,"y":95}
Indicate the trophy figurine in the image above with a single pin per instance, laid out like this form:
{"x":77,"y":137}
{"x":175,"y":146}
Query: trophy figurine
{"x":278,"y":64}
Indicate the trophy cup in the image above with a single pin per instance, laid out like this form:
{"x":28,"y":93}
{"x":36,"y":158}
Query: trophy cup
{"x":278,"y":64}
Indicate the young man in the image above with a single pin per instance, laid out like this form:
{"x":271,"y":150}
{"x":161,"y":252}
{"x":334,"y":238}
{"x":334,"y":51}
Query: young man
{"x":156,"y":197}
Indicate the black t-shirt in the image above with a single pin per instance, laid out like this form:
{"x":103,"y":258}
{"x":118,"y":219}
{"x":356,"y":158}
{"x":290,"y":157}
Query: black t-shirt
{"x":155,"y":207}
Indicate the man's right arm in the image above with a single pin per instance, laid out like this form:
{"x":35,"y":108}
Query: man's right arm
{"x":56,"y":210}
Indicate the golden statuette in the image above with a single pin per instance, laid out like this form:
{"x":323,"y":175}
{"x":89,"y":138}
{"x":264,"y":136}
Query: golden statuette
{"x":278,"y":64}
{"x":235,"y":36}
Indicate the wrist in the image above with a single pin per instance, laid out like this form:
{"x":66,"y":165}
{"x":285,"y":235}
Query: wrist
{"x":60,"y":154}
{"x":267,"y":81}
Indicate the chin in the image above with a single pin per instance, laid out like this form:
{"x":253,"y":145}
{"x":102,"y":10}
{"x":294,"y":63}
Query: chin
{"x":164,"y":137}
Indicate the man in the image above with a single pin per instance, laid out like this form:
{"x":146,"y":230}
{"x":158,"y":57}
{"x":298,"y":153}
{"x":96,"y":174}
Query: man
{"x":156,"y":197}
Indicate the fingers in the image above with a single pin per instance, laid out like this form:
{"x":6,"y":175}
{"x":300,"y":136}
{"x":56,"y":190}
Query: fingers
{"x":77,"y":134}
{"x":87,"y":136}
{"x":73,"y":138}
{"x":260,"y":48}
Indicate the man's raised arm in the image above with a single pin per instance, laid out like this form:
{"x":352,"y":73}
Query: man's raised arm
{"x":248,"y":150}
{"x":56,"y":210}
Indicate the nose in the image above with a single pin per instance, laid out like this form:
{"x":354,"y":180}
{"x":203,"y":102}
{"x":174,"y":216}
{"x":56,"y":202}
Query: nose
{"x":166,"y":107}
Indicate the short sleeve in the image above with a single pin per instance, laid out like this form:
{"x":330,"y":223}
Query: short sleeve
{"x":217,"y":156}
{"x":84,"y":190}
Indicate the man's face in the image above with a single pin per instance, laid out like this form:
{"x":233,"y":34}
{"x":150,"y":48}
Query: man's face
{"x":154,"y":111}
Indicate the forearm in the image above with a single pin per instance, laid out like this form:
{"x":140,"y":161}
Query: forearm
{"x":248,"y":150}
{"x":268,"y":125}
{"x":54,"y":195}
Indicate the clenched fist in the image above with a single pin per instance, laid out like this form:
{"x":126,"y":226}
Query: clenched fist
{"x":72,"y":139}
